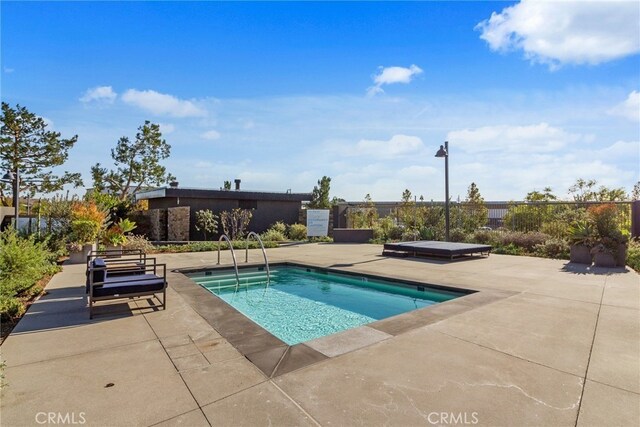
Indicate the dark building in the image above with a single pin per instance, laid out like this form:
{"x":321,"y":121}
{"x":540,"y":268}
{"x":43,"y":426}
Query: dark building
{"x":267,"y":207}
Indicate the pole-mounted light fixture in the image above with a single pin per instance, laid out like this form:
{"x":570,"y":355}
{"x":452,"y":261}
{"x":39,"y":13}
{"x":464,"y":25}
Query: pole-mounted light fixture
{"x":444,"y":152}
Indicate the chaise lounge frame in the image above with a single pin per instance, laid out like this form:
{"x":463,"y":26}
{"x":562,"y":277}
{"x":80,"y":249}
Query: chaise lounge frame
{"x":126,"y":285}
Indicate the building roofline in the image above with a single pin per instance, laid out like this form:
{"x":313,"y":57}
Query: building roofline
{"x":203,"y":193}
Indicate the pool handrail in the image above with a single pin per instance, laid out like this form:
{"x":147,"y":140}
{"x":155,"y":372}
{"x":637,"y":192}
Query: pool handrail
{"x":233,"y":255}
{"x":264,"y":253}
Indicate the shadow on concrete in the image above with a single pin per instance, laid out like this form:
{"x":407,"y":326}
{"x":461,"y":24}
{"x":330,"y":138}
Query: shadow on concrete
{"x":584,"y":269}
{"x":438,"y":260}
{"x":379,"y":258}
{"x":62,"y":308}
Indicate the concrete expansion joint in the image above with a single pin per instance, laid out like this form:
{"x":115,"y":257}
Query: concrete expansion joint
{"x":615,"y":386}
{"x":557,"y":297}
{"x":181,"y":377}
{"x":178,"y":416}
{"x":79,"y":354}
{"x":297,"y":405}
{"x":581,"y":378}
{"x":593,"y":340}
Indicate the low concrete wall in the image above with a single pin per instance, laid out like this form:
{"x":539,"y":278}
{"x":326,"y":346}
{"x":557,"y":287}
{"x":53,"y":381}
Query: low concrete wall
{"x":352,"y":235}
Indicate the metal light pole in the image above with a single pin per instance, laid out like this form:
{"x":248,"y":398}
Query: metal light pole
{"x":444,"y":152}
{"x":15,"y":180}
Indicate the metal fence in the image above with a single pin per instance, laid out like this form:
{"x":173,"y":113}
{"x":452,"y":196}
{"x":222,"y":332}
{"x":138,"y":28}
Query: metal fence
{"x":548,"y":217}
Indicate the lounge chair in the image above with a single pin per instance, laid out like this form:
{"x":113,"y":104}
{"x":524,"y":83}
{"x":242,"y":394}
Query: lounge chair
{"x":103,"y":284}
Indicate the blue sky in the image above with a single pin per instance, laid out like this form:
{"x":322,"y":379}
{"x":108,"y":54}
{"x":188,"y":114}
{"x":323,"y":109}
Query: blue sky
{"x":279,"y":94}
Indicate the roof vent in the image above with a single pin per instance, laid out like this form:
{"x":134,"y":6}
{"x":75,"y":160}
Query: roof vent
{"x":237,"y":181}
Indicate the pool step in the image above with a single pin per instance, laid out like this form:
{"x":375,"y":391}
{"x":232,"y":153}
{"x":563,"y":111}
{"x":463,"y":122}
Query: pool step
{"x":232,"y":275}
{"x":216,"y":282}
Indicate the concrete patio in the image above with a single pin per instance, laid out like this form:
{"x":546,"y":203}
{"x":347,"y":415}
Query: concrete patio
{"x":551,"y":344}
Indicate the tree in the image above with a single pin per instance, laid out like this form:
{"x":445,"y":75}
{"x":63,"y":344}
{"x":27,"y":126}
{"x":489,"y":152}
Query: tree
{"x":476,"y":213}
{"x":227,"y":185}
{"x":546,"y":195}
{"x":320,"y":194}
{"x":234,"y":223}
{"x":584,"y":191}
{"x":635,"y":194}
{"x":409,"y":214}
{"x":606,"y":194}
{"x":531,"y":216}
{"x":28,"y":147}
{"x":365,"y":215}
{"x":207,"y":222}
{"x":137,"y":164}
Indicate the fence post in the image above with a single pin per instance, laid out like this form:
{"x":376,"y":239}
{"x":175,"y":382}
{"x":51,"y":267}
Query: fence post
{"x":635,"y":218}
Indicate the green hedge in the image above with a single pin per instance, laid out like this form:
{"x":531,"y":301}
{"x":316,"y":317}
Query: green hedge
{"x":23,"y":262}
{"x":211,"y":246}
{"x":633,"y":255}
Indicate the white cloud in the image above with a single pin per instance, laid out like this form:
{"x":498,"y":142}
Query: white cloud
{"x":540,"y":138}
{"x":398,"y":145}
{"x":621,"y":150}
{"x":8,"y":70}
{"x":166,"y":128}
{"x":162,"y":104}
{"x":565,"y":32}
{"x":331,"y":127}
{"x":211,"y":135}
{"x":99,"y":94}
{"x":391,"y":75}
{"x":203,"y":165}
{"x":629,"y":108}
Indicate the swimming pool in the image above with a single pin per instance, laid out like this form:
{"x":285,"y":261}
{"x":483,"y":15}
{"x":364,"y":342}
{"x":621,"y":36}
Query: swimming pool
{"x":300,"y":304}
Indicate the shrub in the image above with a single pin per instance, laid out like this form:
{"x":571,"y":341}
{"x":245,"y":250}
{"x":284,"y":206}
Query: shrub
{"x":207,"y":222}
{"x":394,"y":232}
{"x":234,"y":223}
{"x":486,"y":237}
{"x":273,"y":235}
{"x":212,"y":246}
{"x":509,"y":249}
{"x":526,"y":241}
{"x":297,"y":232}
{"x":556,"y":228}
{"x":23,"y":262}
{"x":138,"y":242}
{"x":11,"y":308}
{"x":84,"y":230}
{"x":429,"y":233}
{"x":410,"y":235}
{"x":633,"y":255}
{"x":86,"y":222}
{"x":605,"y":218}
{"x":280,"y":227}
{"x":320,"y":239}
{"x":553,"y":248}
{"x":457,"y":235}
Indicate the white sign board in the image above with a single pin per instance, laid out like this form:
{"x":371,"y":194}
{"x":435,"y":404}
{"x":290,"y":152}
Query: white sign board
{"x":317,"y":222}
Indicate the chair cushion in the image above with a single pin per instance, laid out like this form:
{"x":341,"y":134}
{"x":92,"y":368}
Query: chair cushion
{"x":129,"y":285}
{"x":98,"y":275}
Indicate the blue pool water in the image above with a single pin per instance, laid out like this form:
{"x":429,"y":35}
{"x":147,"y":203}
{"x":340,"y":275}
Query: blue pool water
{"x":303,"y":304}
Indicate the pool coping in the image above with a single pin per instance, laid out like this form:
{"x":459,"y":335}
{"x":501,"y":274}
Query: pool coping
{"x":274,"y":357}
